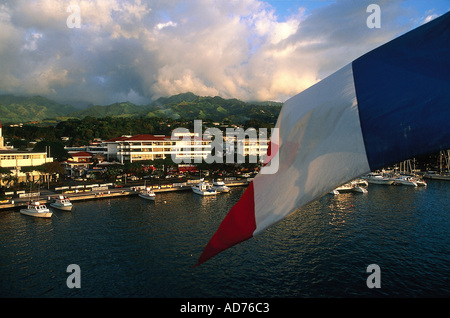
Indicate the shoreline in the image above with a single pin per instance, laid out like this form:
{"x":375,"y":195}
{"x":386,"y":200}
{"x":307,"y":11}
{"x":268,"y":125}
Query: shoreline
{"x":47,"y":196}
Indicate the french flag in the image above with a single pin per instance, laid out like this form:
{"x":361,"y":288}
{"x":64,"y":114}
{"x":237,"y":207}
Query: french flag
{"x":389,"y":105}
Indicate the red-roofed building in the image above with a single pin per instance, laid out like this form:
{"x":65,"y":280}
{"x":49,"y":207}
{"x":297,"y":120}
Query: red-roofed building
{"x":78,"y":164}
{"x":81,"y":156}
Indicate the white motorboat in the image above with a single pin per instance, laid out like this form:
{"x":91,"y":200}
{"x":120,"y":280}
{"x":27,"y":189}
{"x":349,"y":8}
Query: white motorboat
{"x":360,"y":182}
{"x":62,"y":203}
{"x":406,"y":180}
{"x":378,"y":179}
{"x":220,"y":186}
{"x":204,"y":188}
{"x":37,"y":209}
{"x":349,"y":187}
{"x":147,"y":194}
{"x":421,"y":182}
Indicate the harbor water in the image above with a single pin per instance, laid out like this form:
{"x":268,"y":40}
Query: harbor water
{"x":131,"y":247}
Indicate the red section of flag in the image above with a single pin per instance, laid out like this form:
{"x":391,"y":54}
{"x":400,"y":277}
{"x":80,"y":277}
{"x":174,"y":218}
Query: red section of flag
{"x":272,"y":150}
{"x":238,"y":226}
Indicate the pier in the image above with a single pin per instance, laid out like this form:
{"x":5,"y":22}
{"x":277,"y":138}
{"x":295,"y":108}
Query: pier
{"x":98,"y":192}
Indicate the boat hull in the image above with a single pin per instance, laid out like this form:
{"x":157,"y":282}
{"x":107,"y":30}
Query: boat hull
{"x":406,"y":183}
{"x":221,"y":189}
{"x":61,"y":207}
{"x":204,"y":193}
{"x":36,"y":214}
{"x":147,"y":197}
{"x":382,"y":182}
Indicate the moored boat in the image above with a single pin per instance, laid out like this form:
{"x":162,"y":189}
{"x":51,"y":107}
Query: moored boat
{"x":62,"y":203}
{"x":374,"y":178}
{"x":437,"y":176}
{"x":147,"y":194}
{"x":220,"y":186}
{"x":406,"y":180}
{"x":204,"y":188}
{"x":421,"y":182}
{"x":36,"y":209}
{"x":349,"y":187}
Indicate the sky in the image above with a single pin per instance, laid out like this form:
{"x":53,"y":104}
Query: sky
{"x":106,"y":51}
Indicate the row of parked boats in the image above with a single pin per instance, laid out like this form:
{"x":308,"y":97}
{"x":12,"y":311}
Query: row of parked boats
{"x":202,"y":188}
{"x":359,"y":185}
{"x":37,"y":209}
{"x":408,"y":180}
{"x":40,"y":210}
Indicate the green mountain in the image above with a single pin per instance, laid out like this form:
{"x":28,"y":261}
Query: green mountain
{"x":14,"y":109}
{"x":174,"y":99}
{"x":125,"y":109}
{"x":190,"y":106}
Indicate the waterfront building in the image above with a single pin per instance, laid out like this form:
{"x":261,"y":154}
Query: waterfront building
{"x":78,"y":164}
{"x":95,"y":147}
{"x":185,"y":147}
{"x":14,"y":160}
{"x":151,"y":147}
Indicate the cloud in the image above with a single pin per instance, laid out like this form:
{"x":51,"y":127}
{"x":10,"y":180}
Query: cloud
{"x":140,"y":50}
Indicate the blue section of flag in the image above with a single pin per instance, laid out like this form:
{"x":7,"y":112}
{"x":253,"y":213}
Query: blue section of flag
{"x":403,"y":94}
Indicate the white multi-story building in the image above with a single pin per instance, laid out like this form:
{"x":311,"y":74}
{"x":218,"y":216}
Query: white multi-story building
{"x":182,"y":147}
{"x":151,"y":147}
{"x":15,"y":160}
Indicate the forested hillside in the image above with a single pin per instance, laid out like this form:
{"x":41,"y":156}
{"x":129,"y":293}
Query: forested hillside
{"x":20,"y":109}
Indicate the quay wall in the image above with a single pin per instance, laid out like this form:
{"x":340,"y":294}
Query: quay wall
{"x":94,"y":193}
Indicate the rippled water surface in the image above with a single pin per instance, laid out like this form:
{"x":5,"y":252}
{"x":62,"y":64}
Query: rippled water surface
{"x":136,"y":248}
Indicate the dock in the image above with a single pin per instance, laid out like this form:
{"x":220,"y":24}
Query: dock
{"x":99,"y":193}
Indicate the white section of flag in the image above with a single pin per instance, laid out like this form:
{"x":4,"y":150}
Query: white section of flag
{"x":320,"y":146}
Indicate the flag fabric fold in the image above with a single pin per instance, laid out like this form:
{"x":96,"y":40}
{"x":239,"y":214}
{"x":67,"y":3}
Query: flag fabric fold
{"x":389,"y":105}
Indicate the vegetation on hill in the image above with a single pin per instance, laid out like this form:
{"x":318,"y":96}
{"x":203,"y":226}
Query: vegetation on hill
{"x":16,"y":109}
{"x":48,"y":123}
{"x":20,"y":109}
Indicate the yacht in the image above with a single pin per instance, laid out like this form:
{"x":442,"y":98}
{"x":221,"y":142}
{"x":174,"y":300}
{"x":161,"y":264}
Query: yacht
{"x":220,"y":186}
{"x":349,"y":187}
{"x":62,"y":203}
{"x":374,"y":178}
{"x":147,"y":194}
{"x":437,"y":176}
{"x":421,"y":182}
{"x":360,"y":182}
{"x":204,"y":188}
{"x":406,"y":180}
{"x":37,"y":209}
